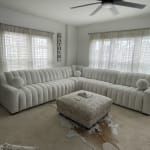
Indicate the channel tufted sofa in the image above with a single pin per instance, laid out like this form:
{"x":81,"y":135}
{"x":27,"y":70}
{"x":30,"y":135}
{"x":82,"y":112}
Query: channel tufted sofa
{"x":41,"y":86}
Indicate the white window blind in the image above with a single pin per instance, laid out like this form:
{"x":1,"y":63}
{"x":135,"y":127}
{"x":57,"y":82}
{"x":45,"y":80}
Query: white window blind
{"x":24,"y":48}
{"x":16,"y":50}
{"x":40,"y":52}
{"x":127,"y":51}
{"x":145,"y":55}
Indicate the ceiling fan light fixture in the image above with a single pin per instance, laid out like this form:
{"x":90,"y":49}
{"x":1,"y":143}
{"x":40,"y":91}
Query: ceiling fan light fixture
{"x":111,"y":5}
{"x":107,"y":5}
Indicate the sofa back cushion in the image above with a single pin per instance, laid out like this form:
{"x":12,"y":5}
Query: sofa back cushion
{"x":40,"y":76}
{"x":130,"y":79}
{"x":100,"y":74}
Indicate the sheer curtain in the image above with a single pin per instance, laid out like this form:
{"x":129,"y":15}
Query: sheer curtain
{"x":127,"y":51}
{"x":22,"y":48}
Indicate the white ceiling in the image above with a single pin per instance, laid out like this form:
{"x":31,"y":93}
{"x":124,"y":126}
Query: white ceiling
{"x":60,"y":10}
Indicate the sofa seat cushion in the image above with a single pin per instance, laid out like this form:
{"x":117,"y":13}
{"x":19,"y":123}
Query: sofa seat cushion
{"x":126,"y":96}
{"x":35,"y":94}
{"x":99,"y":87}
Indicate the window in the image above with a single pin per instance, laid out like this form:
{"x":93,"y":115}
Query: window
{"x":16,"y":50}
{"x":124,"y":51}
{"x":24,"y":49}
{"x":145,"y":55}
{"x":40,"y":52}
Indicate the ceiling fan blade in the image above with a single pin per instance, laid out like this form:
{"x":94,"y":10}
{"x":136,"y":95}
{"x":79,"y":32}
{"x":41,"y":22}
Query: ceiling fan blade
{"x":114,"y":10}
{"x":96,"y":10}
{"x":85,"y":5}
{"x":129,"y":4}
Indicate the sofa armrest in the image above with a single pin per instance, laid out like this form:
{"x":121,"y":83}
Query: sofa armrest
{"x":146,"y":102}
{"x":9,"y":96}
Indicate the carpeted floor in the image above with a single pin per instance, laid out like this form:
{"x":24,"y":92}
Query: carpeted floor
{"x":41,"y":127}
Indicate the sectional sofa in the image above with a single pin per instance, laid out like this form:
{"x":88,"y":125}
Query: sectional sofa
{"x":20,"y":90}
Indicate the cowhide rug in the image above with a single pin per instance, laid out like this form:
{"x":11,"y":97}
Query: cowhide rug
{"x":103,"y":135}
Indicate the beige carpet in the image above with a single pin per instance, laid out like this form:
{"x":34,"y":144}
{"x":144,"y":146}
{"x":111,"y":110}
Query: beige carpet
{"x":41,"y":127}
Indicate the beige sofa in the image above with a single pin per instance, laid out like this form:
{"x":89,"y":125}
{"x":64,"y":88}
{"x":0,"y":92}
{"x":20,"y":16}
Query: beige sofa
{"x":41,"y":86}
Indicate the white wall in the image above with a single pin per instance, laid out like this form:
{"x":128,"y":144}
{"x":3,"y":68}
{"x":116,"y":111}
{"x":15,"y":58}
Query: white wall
{"x":12,"y":17}
{"x":71,"y":36}
{"x":75,"y":39}
{"x":124,"y":24}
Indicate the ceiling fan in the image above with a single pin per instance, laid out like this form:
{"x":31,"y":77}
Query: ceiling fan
{"x":110,"y":4}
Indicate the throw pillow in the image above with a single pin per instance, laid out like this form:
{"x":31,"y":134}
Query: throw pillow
{"x":77,"y":73}
{"x":17,"y":82}
{"x":73,"y":68}
{"x":142,"y":84}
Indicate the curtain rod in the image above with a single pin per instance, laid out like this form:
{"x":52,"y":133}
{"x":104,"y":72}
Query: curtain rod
{"x":27,"y":28}
{"x":121,"y":30}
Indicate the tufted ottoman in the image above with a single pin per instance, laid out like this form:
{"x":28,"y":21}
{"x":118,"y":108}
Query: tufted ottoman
{"x":85,"y":111}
